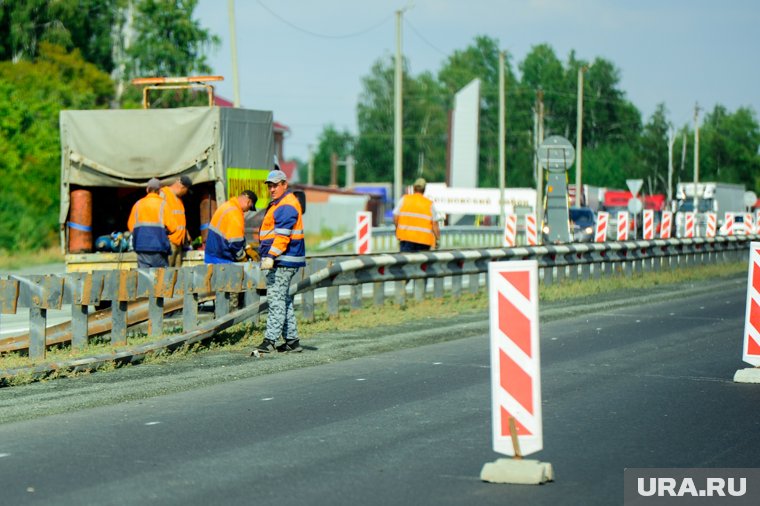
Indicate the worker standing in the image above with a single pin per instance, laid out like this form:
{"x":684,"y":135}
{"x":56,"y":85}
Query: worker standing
{"x":149,"y":222}
{"x":225,"y":243}
{"x":415,"y":220}
{"x":283,"y":252}
{"x":173,"y":194}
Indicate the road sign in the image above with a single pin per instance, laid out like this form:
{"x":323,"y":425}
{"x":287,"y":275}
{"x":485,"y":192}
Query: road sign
{"x":556,"y":154}
{"x":634,"y":185}
{"x":751,"y":348}
{"x":750,"y":198}
{"x":515,"y":364}
{"x":635,"y":205}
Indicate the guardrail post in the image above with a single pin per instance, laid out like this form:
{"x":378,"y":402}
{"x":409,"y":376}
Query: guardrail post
{"x":333,"y":300}
{"x":37,"y":332}
{"x":456,"y":285}
{"x":400,"y":292}
{"x":561,"y":273}
{"x":419,"y":288}
{"x":378,"y":293}
{"x":189,"y":301}
{"x":356,"y":296}
{"x":474,"y":284}
{"x":548,"y":275}
{"x":438,"y":287}
{"x":251,"y":296}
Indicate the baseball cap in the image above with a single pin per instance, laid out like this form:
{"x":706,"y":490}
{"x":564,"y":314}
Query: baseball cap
{"x":276,"y":176}
{"x":186,"y":181}
{"x":153,"y":185}
{"x":420,"y":183}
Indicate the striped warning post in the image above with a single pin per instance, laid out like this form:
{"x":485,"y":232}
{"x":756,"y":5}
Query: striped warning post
{"x":757,"y":221}
{"x":666,"y":224}
{"x":751,"y":348}
{"x":363,"y":233}
{"x":622,"y":226}
{"x":728,"y":224}
{"x":510,"y":230}
{"x":648,"y":224}
{"x":515,"y":364}
{"x":602,"y":222}
{"x":712,"y":224}
{"x":749,"y":225}
{"x":688,"y":225}
{"x":531,"y":231}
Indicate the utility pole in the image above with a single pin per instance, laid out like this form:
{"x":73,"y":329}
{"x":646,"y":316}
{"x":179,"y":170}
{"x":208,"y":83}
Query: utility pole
{"x":671,"y":142}
{"x":539,"y":168}
{"x":333,"y":170}
{"x":579,"y":140}
{"x":310,"y":173}
{"x":696,"y":155}
{"x":502,"y":140}
{"x":397,"y":129}
{"x":233,"y":46}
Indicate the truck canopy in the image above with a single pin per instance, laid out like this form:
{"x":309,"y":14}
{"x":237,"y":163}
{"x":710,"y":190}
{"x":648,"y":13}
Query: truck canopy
{"x":126,"y":147}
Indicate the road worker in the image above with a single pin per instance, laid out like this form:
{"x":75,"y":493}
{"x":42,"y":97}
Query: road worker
{"x":173,"y":194}
{"x":226,"y":233}
{"x":283,"y":252}
{"x":149,"y":222}
{"x":415,"y":219}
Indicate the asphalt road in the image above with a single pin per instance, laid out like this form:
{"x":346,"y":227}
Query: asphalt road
{"x":649,"y":385}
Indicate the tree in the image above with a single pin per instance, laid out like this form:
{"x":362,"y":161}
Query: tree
{"x":729,"y":147}
{"x":653,"y":148}
{"x":331,"y":141}
{"x":31,"y":96}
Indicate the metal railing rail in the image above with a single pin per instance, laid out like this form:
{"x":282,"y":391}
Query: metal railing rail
{"x":39,"y":294}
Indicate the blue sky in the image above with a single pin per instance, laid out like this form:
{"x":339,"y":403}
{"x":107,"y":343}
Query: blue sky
{"x":304,"y":59}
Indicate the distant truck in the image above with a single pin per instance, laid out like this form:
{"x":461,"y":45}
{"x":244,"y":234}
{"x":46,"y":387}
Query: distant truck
{"x":107,"y":157}
{"x":719,"y":198}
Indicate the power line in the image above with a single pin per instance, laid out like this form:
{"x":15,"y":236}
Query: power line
{"x":323,"y":35}
{"x":423,"y":38}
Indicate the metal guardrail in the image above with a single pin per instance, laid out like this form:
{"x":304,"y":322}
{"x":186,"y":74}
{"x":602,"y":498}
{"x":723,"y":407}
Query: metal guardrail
{"x":39,"y":294}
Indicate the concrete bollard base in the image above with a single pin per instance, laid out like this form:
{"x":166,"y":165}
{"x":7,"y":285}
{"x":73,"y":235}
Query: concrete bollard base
{"x":522,"y":472}
{"x":748,"y":375}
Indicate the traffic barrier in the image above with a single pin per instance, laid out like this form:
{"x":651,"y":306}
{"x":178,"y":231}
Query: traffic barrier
{"x":622,"y":226}
{"x":757,"y":220}
{"x":749,"y":226}
{"x":648,"y":224}
{"x":666,"y":224}
{"x":531,"y":231}
{"x":517,"y":427}
{"x":688,"y":225}
{"x":728,"y":224}
{"x":712,"y":224}
{"x":602,"y":222}
{"x":751,"y":346}
{"x":363,"y":233}
{"x":510,"y":231}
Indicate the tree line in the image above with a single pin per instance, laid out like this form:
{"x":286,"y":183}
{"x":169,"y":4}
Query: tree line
{"x":82,"y":54}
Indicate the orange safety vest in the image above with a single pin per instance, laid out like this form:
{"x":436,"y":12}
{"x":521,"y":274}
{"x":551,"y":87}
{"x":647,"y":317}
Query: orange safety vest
{"x":415,"y":220}
{"x":149,"y":224}
{"x":177,"y":209}
{"x":281,"y":233}
{"x":226,"y":234}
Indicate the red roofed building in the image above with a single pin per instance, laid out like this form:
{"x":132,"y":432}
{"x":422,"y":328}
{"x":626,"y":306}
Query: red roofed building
{"x":289,"y":167}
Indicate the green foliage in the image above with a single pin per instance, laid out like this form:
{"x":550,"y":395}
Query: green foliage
{"x":31,"y":95}
{"x":331,"y":141}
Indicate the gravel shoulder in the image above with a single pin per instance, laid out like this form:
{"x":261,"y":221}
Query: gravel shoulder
{"x":134,"y":383}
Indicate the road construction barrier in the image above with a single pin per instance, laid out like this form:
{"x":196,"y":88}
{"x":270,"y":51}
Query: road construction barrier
{"x":447,"y":270}
{"x":622,"y":226}
{"x":728,"y":224}
{"x":751,"y":345}
{"x":666,"y":224}
{"x":648,"y":225}
{"x":749,"y":226}
{"x":689,"y":225}
{"x":517,"y":425}
{"x":363,"y":233}
{"x":602,"y":223}
{"x":531,"y":230}
{"x":510,"y":231}
{"x":712,"y":224}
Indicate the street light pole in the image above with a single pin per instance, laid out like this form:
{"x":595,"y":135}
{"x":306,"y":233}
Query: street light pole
{"x":233,"y":46}
{"x":579,"y":138}
{"x":696,"y":155}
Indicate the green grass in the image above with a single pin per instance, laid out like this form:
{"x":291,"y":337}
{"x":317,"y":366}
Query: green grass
{"x":18,"y":260}
{"x":246,"y":335}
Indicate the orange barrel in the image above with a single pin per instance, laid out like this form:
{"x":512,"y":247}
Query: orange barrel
{"x":80,"y":221}
{"x":208,"y":207}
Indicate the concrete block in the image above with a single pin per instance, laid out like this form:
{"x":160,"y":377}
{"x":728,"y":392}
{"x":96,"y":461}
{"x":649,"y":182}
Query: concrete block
{"x":748,"y":375}
{"x":518,"y":471}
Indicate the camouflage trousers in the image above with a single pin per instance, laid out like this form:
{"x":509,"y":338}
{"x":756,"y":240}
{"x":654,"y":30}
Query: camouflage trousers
{"x":281,"y":320}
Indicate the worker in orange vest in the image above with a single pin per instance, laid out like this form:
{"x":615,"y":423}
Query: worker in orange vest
{"x":415,"y":220}
{"x":150,"y":221}
{"x":173,"y":194}
{"x":226,"y":233}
